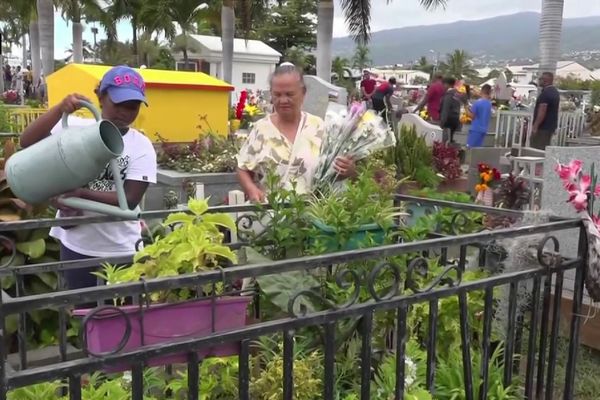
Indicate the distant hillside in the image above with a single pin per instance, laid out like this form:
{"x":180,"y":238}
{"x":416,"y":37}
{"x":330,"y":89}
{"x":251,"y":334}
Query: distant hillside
{"x":504,"y":37}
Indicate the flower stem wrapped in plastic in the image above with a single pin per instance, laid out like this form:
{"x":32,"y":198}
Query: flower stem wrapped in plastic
{"x":355,"y":134}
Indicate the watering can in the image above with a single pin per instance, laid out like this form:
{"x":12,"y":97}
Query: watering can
{"x":61,"y":163}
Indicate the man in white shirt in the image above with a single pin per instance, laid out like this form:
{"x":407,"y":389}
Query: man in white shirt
{"x":121,"y":93}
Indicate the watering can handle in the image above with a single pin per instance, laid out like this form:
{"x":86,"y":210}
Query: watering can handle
{"x":84,"y":104}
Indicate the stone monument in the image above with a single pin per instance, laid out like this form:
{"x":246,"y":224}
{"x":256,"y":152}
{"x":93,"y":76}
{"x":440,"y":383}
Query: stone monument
{"x":320,"y":93}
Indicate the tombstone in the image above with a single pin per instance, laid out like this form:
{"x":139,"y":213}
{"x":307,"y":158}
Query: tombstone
{"x":319,"y":93}
{"x":554,"y":196}
{"x":489,"y":155}
{"x":431,"y":133}
{"x":554,"y":199}
{"x":501,"y":89}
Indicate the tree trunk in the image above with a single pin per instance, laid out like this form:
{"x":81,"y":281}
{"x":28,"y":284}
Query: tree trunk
{"x":550,"y":32}
{"x":227,"y":36}
{"x":134,"y":40}
{"x":34,"y":40}
{"x":45,"y":10}
{"x":24,"y":51}
{"x":324,"y":38}
{"x":77,"y":42}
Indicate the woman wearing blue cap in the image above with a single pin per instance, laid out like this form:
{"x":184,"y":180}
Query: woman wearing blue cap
{"x":120,"y":93}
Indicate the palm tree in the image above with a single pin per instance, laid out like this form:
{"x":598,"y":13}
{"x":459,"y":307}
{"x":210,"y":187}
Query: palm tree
{"x":458,"y":65}
{"x":339,"y":65}
{"x":227,"y":37}
{"x":357,"y":14}
{"x":45,"y":12}
{"x":87,"y":51}
{"x":424,"y":65}
{"x":75,"y":11}
{"x":550,"y":31}
{"x":184,"y":13}
{"x":296,"y":56}
{"x":361,"y":57}
{"x":132,"y":10}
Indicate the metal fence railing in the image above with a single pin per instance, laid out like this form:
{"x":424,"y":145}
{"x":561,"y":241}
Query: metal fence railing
{"x":530,"y":332}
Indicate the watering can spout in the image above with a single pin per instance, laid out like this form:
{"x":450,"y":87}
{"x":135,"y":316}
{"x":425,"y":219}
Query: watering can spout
{"x":70,"y":160}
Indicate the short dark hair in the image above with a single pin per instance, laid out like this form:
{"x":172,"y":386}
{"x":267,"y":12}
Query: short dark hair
{"x":548,"y":74}
{"x":487,"y":89}
{"x":287,"y":68}
{"x":438,"y":76}
{"x":450,"y":81}
{"x":392,"y":81}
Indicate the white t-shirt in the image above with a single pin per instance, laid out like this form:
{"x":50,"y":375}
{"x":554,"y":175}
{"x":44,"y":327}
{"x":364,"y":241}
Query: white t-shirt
{"x":113,"y":239}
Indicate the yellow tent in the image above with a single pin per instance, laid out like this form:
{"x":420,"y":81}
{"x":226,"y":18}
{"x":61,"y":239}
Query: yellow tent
{"x":181,"y":104}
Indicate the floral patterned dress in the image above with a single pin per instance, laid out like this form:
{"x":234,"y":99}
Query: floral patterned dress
{"x":268,"y":149}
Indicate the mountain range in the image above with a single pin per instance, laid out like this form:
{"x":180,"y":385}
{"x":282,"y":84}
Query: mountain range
{"x":505,"y":37}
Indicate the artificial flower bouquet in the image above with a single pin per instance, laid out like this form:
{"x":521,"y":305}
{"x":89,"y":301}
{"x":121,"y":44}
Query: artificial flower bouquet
{"x":489,"y":177}
{"x":357,"y":134}
{"x":247,"y":110}
{"x":583,"y":191}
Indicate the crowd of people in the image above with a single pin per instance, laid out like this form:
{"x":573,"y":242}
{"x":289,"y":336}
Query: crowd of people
{"x":21,"y":80}
{"x":444,"y":105}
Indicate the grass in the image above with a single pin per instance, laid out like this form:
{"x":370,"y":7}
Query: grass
{"x":587,"y":382}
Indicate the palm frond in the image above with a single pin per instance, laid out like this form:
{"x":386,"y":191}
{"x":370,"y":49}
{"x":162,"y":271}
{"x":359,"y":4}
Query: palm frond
{"x":357,"y":14}
{"x":433,"y":4}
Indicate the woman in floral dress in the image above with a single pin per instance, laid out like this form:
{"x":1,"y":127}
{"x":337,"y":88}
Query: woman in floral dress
{"x":287,"y":142}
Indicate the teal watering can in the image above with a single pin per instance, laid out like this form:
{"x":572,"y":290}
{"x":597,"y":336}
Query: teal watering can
{"x":61,"y":163}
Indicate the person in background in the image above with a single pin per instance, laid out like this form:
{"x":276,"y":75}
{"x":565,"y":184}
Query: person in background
{"x":382,"y":102}
{"x":481,"y":112}
{"x":450,"y":110}
{"x":367,"y":87}
{"x":433,"y":99}
{"x":287,"y":142}
{"x":121,"y":93}
{"x":545,"y":115}
{"x":7,"y":77}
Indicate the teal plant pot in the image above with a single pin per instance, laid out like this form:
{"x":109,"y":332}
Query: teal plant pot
{"x":417,"y":211}
{"x":365,"y":234}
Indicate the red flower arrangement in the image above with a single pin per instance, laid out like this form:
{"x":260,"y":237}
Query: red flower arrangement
{"x":239,"y":109}
{"x":488,"y":177}
{"x":446,"y":160}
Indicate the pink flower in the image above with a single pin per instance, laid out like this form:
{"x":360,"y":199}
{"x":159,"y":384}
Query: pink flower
{"x":578,"y":196}
{"x":597,"y":191}
{"x":569,"y":172}
{"x":357,"y":108}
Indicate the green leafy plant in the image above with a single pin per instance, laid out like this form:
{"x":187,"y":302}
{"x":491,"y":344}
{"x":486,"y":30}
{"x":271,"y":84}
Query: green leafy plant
{"x":40,"y":391}
{"x":307,"y":366}
{"x":195,"y":244}
{"x":414,"y":379}
{"x":284,"y":229}
{"x":450,"y":385}
{"x":413,"y":158}
{"x":210,"y":153}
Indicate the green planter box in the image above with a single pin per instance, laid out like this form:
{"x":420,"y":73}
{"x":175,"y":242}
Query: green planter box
{"x":364,"y":234}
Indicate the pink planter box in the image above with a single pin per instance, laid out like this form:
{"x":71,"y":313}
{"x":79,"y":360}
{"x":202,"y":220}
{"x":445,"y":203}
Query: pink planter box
{"x":164,"y":323}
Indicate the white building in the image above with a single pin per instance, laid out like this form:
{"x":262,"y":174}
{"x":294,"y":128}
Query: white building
{"x":253,"y":61}
{"x":403,"y":76}
{"x":524,"y":74}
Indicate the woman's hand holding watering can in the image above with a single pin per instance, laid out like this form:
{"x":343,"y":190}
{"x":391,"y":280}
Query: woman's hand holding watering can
{"x":72,"y":103}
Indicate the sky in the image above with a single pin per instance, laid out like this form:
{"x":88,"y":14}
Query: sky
{"x":396,"y":14}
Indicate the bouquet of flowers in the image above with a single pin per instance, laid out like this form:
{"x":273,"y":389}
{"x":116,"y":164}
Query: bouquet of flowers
{"x":488,"y":177}
{"x":355,"y":134}
{"x":583,"y":192}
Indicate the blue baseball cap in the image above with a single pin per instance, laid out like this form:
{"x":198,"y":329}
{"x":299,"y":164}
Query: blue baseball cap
{"x":122,"y":84}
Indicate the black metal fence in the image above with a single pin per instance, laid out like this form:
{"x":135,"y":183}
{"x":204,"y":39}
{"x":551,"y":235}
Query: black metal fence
{"x":530,"y":331}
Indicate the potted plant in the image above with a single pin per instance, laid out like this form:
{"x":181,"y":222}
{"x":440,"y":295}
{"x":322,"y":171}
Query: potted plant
{"x":488,"y":179}
{"x":413,"y":160}
{"x":446,"y":161}
{"x":194,"y":245}
{"x":359,"y":216}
